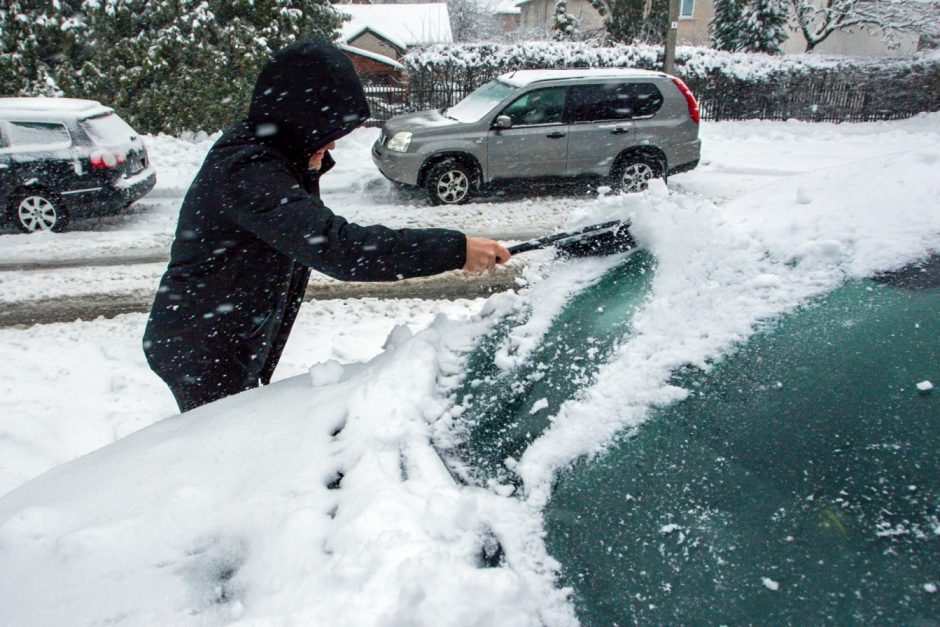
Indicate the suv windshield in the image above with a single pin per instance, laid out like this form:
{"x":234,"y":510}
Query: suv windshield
{"x":108,"y":129}
{"x":478,"y":103}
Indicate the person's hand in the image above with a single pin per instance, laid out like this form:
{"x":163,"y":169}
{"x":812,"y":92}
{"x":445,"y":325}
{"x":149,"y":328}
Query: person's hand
{"x":483,"y":254}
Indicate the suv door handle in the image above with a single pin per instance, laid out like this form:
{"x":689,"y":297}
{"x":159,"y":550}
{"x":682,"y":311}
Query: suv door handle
{"x":555,"y":135}
{"x":619,"y":131}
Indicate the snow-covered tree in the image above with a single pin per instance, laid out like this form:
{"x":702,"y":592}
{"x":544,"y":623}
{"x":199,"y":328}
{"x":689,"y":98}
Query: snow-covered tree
{"x":565,"y":25}
{"x":763,"y":27}
{"x":167,"y":65}
{"x":34,"y":38}
{"x":725,"y":27}
{"x":628,"y":21}
{"x":817,"y":19}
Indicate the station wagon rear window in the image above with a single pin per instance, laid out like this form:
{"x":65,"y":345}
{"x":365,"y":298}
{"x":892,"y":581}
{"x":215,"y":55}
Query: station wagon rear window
{"x":39,"y":134}
{"x":108,"y":130}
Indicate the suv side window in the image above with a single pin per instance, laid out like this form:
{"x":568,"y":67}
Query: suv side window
{"x":598,"y":103}
{"x":38,"y":134}
{"x":540,"y":106}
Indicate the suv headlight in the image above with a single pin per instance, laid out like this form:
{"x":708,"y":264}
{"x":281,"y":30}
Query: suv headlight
{"x":399,"y":142}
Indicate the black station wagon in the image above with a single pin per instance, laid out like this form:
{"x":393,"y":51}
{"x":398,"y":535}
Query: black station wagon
{"x":62,"y":158}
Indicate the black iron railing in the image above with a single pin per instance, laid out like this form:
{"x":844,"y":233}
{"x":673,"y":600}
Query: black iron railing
{"x":817,"y":97}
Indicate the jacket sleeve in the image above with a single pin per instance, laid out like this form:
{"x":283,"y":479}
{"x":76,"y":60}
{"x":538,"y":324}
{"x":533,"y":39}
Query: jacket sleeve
{"x":264,"y":196}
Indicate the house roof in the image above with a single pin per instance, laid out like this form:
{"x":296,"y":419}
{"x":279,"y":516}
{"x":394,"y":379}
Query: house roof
{"x":502,"y":7}
{"x":403,"y":25}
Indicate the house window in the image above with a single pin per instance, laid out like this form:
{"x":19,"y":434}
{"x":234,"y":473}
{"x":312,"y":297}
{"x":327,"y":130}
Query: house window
{"x":686,"y":8}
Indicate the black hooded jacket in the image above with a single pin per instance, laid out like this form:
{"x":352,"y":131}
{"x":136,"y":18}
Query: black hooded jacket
{"x":252,"y":225}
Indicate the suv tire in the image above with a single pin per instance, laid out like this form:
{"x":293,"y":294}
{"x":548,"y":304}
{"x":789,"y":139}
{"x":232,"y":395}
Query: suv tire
{"x":633,"y":173}
{"x":36,"y":210}
{"x":450,"y":182}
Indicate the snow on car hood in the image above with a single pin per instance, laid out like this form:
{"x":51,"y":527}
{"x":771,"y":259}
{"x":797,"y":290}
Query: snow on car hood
{"x":419,"y":122}
{"x":238,"y":511}
{"x":317,"y":500}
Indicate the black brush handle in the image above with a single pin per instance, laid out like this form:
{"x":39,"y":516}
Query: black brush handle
{"x":548,"y":240}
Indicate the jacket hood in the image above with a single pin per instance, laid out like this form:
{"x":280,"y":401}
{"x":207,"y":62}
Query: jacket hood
{"x":306,"y":96}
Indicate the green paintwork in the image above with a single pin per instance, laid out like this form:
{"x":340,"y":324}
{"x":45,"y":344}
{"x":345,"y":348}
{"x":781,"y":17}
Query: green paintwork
{"x":807,"y":461}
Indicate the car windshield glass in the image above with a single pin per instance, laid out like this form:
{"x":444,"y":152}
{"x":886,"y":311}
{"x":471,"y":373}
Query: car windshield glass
{"x":108,"y":129}
{"x":43,"y":134}
{"x":481,"y":101}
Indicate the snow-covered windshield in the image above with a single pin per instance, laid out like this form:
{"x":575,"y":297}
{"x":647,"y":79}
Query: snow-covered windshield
{"x":480,"y":102}
{"x":109,"y":129}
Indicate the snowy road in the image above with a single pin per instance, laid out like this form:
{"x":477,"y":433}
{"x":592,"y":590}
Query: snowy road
{"x":111,"y":265}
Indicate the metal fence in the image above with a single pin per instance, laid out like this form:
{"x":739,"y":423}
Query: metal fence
{"x":819,"y":97}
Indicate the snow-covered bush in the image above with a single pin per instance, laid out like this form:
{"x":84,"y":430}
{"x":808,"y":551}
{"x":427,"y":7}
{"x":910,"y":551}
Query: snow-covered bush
{"x":727,"y":84}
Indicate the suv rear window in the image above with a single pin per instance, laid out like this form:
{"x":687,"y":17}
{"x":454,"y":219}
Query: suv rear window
{"x":108,"y":130}
{"x":595,"y":103}
{"x":45,"y":134}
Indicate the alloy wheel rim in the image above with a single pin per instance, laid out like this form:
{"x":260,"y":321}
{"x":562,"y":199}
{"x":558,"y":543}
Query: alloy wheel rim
{"x":453,"y":186}
{"x":37,"y":214}
{"x":636,"y":177}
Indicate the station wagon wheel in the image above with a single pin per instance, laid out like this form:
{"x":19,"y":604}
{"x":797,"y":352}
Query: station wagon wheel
{"x":34,"y":211}
{"x":449,"y":183}
{"x":633,"y":174}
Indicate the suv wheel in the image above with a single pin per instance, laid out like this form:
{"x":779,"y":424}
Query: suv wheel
{"x":633,"y":174}
{"x":38,"y":210}
{"x":450,"y":183}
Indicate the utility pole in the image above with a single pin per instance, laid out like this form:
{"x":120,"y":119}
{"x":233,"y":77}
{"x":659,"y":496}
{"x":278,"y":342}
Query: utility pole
{"x":669,"y":65}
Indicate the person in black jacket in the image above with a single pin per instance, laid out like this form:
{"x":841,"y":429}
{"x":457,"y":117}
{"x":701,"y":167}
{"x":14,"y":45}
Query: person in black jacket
{"x":252,"y":226}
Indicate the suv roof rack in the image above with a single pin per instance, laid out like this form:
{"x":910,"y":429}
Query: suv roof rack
{"x":520,"y":78}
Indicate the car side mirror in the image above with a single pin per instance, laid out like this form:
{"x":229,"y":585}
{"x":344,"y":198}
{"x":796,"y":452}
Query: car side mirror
{"x":503,"y":121}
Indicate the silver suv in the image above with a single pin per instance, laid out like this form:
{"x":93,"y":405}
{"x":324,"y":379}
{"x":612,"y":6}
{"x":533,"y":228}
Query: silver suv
{"x":622,"y":126}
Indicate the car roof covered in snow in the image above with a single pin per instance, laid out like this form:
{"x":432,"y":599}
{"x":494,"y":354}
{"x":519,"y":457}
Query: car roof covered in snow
{"x":40,"y":108}
{"x":521,"y":78}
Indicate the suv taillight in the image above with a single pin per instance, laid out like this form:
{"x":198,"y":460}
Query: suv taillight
{"x":107,"y":159}
{"x":689,"y":99}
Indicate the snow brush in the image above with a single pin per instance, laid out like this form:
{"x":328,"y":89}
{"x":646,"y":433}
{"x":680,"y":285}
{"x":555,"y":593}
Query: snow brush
{"x":608,"y":238}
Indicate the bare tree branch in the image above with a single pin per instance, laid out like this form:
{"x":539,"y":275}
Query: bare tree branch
{"x":887,"y":18}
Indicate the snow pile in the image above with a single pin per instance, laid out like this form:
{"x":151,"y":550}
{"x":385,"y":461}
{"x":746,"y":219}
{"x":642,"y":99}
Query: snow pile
{"x":177,"y":159}
{"x":295,"y":503}
{"x":104,"y":389}
{"x":724,"y":270}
